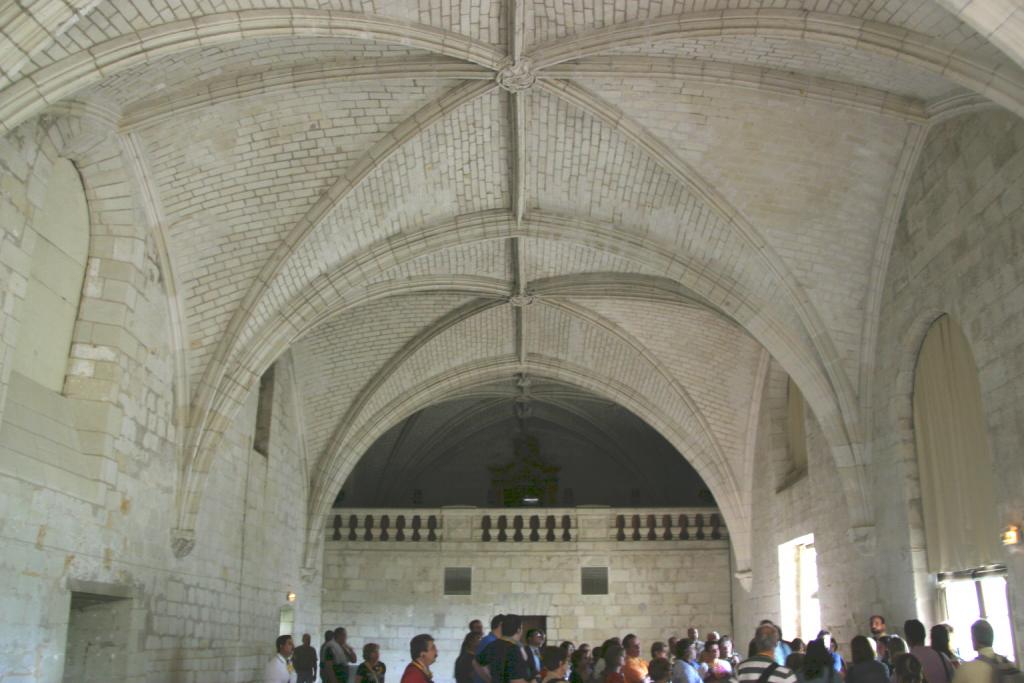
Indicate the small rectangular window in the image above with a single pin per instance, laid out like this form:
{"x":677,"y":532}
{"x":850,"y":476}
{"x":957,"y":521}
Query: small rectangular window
{"x":264,"y":410}
{"x":594,"y":581}
{"x":458,"y":580}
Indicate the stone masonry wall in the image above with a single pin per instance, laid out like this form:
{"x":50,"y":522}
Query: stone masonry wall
{"x":787,"y":506}
{"x":87,"y":476}
{"x":958,"y":249}
{"x":26,"y":157}
{"x":387,"y":592}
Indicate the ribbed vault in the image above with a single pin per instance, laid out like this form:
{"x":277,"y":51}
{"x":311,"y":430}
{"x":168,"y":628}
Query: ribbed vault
{"x":639,"y":204}
{"x":372,"y":366}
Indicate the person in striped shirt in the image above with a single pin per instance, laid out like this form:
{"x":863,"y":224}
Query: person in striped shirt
{"x":762,"y":667}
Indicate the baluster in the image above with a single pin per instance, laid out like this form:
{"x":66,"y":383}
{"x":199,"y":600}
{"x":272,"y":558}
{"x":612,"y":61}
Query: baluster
{"x":684,"y":531}
{"x":636,"y":527}
{"x":400,"y":528}
{"x":566,"y":528}
{"x":353,"y":522}
{"x":368,"y":533}
{"x":716,"y":531}
{"x":666,"y":521}
{"x":385,"y":522}
{"x":416,"y":524}
{"x":549,"y":524}
{"x":534,"y":528}
{"x":652,"y":532}
{"x":336,"y":536}
{"x":485,"y":528}
{"x":502,"y":527}
{"x":620,"y":527}
{"x":432,"y":528}
{"x":700,"y":527}
{"x":517,"y":525}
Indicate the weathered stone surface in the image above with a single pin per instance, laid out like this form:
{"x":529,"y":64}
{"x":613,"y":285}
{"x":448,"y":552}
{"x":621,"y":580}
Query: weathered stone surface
{"x":685,"y":207}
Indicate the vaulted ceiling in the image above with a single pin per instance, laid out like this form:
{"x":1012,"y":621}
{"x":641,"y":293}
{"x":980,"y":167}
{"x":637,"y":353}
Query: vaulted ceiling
{"x":643,"y":200}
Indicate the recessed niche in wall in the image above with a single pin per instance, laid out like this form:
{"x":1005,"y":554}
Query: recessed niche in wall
{"x":97,"y":649}
{"x":264,"y":413}
{"x":594,"y":581}
{"x":56,"y":273}
{"x":458,"y":580}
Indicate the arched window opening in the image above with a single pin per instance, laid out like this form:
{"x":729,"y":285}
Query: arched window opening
{"x":953,"y":457}
{"x":796,"y":431}
{"x":61,"y":231}
{"x":264,"y":413}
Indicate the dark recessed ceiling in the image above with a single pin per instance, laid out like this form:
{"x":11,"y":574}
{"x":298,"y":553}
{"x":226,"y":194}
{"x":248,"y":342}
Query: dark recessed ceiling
{"x":444,"y":454}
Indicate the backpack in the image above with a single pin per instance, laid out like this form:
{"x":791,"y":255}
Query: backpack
{"x":1003,"y":670}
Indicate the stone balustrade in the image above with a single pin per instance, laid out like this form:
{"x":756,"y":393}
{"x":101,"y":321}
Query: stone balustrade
{"x":525,"y":525}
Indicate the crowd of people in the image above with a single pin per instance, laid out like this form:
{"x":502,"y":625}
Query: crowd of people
{"x":506,"y":654}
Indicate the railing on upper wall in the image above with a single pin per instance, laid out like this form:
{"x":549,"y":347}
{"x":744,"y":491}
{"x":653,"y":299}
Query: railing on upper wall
{"x":540,"y":525}
{"x":376,"y":525}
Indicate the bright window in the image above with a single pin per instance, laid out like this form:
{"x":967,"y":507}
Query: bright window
{"x":800,"y":610}
{"x":286,"y":621}
{"x":972,"y":596}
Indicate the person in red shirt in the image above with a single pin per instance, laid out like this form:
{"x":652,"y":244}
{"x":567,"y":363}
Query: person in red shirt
{"x":614,"y":659}
{"x":424,"y":653}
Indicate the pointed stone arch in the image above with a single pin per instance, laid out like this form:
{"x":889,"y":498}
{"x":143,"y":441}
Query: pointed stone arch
{"x":348,"y":286}
{"x":432,"y":389}
{"x":696,"y":423}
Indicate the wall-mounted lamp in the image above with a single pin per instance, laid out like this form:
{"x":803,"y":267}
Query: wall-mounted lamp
{"x":291,"y":596}
{"x":1011,"y":535}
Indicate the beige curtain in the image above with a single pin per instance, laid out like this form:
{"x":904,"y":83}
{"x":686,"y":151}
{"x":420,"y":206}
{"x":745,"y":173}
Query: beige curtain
{"x":953,"y":457}
{"x":796,"y":436}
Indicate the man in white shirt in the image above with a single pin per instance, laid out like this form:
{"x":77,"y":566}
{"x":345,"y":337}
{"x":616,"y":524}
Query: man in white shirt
{"x":279,"y":669}
{"x":988,"y":667}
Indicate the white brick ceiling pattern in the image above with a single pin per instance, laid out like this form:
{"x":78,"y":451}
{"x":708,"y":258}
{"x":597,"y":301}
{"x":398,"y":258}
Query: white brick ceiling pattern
{"x":644,"y":199}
